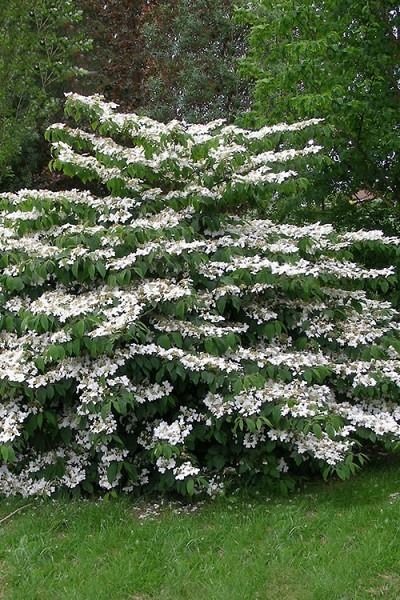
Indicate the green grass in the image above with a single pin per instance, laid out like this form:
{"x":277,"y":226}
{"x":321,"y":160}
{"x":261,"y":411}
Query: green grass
{"x":337,"y":541}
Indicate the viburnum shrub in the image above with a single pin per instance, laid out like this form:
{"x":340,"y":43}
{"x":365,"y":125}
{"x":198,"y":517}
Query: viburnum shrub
{"x":156,"y":333}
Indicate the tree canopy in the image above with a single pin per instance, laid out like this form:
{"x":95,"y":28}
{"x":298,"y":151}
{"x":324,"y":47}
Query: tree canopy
{"x":39,"y":43}
{"x":190,"y":55}
{"x":337,"y":60}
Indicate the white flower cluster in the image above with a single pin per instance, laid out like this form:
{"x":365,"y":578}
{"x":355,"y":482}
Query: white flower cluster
{"x":255,"y":264}
{"x":139,"y":127}
{"x":12,"y":416}
{"x":296,"y":399}
{"x":322,"y":448}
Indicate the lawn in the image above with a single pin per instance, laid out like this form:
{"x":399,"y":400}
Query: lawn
{"x":336,"y":541}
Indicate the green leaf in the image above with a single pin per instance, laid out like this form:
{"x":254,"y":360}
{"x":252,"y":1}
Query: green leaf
{"x":78,"y":328}
{"x":164,"y":341}
{"x":190,"y":487}
{"x":112,"y":471}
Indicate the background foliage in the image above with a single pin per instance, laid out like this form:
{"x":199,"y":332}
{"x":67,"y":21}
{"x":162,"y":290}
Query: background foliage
{"x":190,"y":54}
{"x":115,"y":63}
{"x":39,"y":44}
{"x":337,"y":60}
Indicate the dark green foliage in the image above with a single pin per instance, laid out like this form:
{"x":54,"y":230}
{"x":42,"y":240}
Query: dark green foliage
{"x":38,"y":47}
{"x":190,"y":54}
{"x":338,"y":60}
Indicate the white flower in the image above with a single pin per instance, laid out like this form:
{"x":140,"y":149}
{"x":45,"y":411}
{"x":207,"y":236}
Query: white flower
{"x":185,"y":470}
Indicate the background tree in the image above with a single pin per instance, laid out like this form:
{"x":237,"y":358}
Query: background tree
{"x":115,"y":65}
{"x":39,"y":44}
{"x":337,"y":60}
{"x":190,"y":53}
